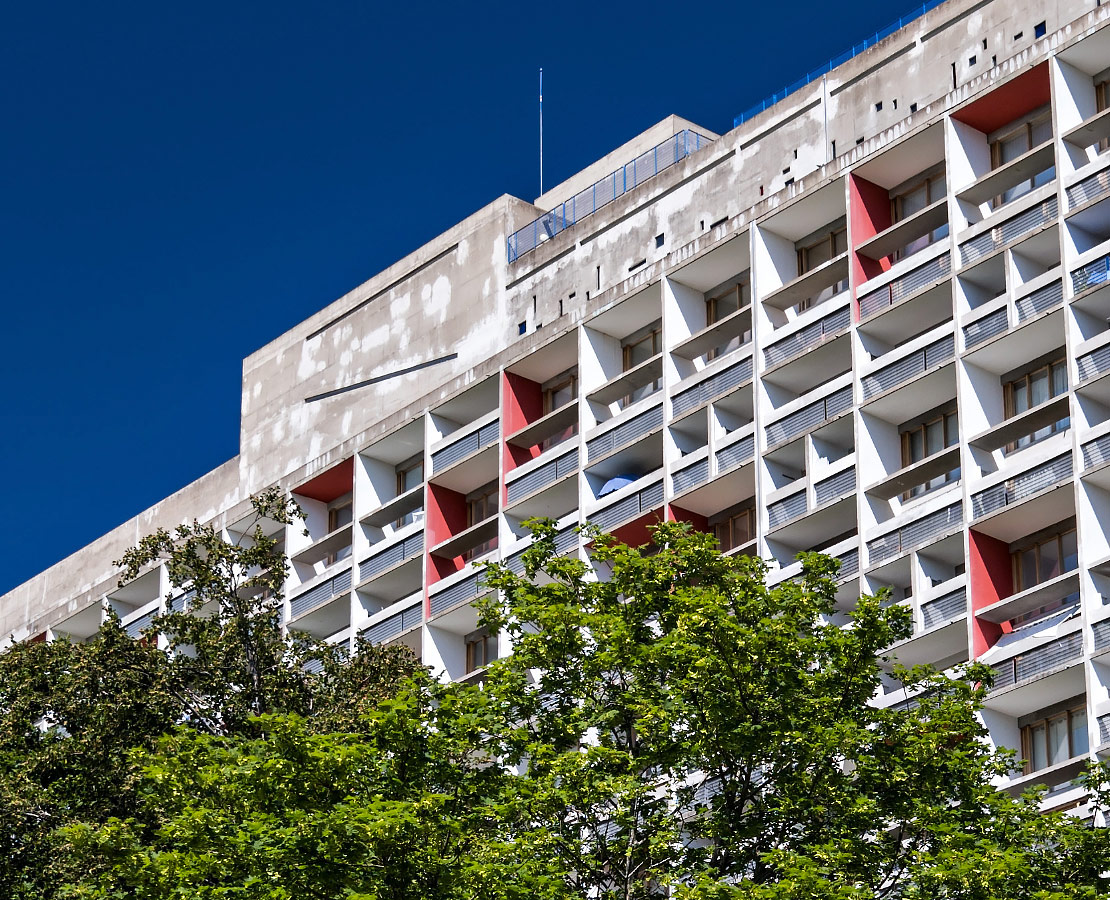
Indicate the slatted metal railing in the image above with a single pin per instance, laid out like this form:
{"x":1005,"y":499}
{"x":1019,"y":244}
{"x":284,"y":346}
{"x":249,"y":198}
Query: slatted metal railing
{"x":691,"y":476}
{"x":915,"y":534}
{"x":646,"y":500}
{"x":624,"y":434}
{"x":809,"y":337}
{"x":1020,"y":486}
{"x":944,"y":609}
{"x":735,"y":454}
{"x":909,"y":367}
{"x":1009,"y":231}
{"x":987,"y":327}
{"x":712,"y":387}
{"x":1042,"y":660}
{"x":1094,"y":274}
{"x":469,"y":443}
{"x":388,"y":628}
{"x":542,"y":476}
{"x":809,"y":417}
{"x":404,"y":549}
{"x":322,"y":593}
{"x":1090,"y":188}
{"x":899,"y":289}
{"x":1041,"y":300}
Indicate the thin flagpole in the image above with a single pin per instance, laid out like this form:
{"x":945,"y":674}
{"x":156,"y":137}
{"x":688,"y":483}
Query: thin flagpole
{"x":541,"y":130}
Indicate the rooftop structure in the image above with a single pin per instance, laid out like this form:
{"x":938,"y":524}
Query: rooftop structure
{"x":871,"y":320}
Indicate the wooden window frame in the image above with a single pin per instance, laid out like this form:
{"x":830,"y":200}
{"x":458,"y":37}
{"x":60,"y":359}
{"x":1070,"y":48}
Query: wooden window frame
{"x":1056,"y":535}
{"x":726,"y":522}
{"x":1027,"y":737}
{"x":1010,"y":387}
{"x":948,"y":416}
{"x":479,"y":660}
{"x":996,"y":139}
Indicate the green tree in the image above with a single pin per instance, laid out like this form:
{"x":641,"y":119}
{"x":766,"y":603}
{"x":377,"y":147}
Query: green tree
{"x":672,"y":726}
{"x":70,"y":713}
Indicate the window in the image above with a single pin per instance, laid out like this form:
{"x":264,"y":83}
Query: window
{"x":557,"y":393}
{"x":1054,"y":737}
{"x":923,"y":437}
{"x":639,"y":348}
{"x":1041,"y":559}
{"x":723,"y":303}
{"x":736,"y":529}
{"x":1102,"y":103}
{"x":410,"y":474}
{"x":481,"y":505}
{"x":481,"y":650}
{"x":1035,"y":387}
{"x":1009,"y":145}
{"x":339,"y":514}
{"x":909,"y":200}
{"x":818,"y":249}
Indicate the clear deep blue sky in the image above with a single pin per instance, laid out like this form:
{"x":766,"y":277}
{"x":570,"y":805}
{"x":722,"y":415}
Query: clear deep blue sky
{"x":181,"y":183}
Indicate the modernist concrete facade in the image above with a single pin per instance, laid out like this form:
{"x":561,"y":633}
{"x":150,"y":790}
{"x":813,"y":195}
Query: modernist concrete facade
{"x":872,"y":320}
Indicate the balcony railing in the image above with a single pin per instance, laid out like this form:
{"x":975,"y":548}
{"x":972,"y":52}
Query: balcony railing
{"x":624,"y":434}
{"x":392,"y":625}
{"x":1096,"y":452}
{"x":542,"y":476}
{"x":1094,"y":274}
{"x":809,"y":417}
{"x":915,"y":534}
{"x":1015,"y":489}
{"x":391,"y":556}
{"x":735,"y":454}
{"x":807,"y":338}
{"x":712,"y":387}
{"x":984,"y":329}
{"x":566,"y":539}
{"x":909,"y":367}
{"x":1094,"y":363}
{"x":585,"y":203}
{"x":925,"y":275}
{"x":456,"y":594}
{"x":1009,"y":231}
{"x":691,"y":476}
{"x":465,"y":445}
{"x":1040,"y":661}
{"x":1090,"y":188}
{"x":1041,"y":300}
{"x":783,"y":511}
{"x":944,"y":609}
{"x":621,"y":511}
{"x":835,"y":486}
{"x":323,"y":592}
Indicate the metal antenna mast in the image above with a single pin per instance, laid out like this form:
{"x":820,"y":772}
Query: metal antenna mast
{"x":541,"y":130}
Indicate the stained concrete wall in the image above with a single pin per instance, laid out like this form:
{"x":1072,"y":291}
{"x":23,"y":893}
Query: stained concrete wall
{"x":458,"y":295}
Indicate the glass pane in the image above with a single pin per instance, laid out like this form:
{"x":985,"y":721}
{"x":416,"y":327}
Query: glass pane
{"x":816,"y":254}
{"x":916,"y":444}
{"x":934,"y":437}
{"x":1042,"y":131}
{"x":840,"y":240}
{"x":915,"y":201}
{"x":1057,"y":740}
{"x":1038,"y":387}
{"x":1012,"y":147}
{"x":1020,"y":395}
{"x":1027,"y":568}
{"x":724,"y":536}
{"x":951,"y":427}
{"x":1038,"y":758}
{"x":740,"y":530}
{"x":410,"y":478}
{"x":1059,"y":379}
{"x":1070,"y":551}
{"x":639,"y":352}
{"x":1050,"y":560}
{"x":937,"y":187}
{"x":562,"y":395}
{"x":1079,"y":732}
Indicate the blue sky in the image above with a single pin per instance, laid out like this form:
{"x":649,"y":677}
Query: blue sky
{"x":181,"y":183}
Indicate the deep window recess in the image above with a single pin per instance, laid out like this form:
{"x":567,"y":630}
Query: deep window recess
{"x":637,"y":348}
{"x":339,"y":514}
{"x":923,"y":437}
{"x":1014,"y":140}
{"x":410,"y":473}
{"x":1044,"y":557}
{"x":911,"y":198}
{"x":481,"y":505}
{"x":1037,"y":386}
{"x":557,"y":393}
{"x":722,"y":303}
{"x":735,"y":528}
{"x":481,"y":650}
{"x":1102,"y":102}
{"x":1048,"y":738}
{"x":818,"y":249}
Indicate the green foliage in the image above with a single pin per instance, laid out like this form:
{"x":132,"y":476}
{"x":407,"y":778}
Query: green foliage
{"x":71,"y":713}
{"x":674,"y":727}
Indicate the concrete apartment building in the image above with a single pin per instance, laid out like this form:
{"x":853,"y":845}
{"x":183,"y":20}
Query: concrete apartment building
{"x":873,"y":320}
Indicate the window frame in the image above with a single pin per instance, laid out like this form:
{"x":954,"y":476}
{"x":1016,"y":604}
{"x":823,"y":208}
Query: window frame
{"x":726,"y":519}
{"x":1045,"y":717}
{"x":1054,"y":533}
{"x":1049,"y":365}
{"x":948,"y":415}
{"x":996,"y":139}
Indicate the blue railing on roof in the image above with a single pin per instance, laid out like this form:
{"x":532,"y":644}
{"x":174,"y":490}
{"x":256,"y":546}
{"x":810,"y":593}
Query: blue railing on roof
{"x":674,"y":149}
{"x":855,"y":50}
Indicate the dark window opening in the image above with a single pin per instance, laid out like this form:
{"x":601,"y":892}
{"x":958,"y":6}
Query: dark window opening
{"x":1039,"y":29}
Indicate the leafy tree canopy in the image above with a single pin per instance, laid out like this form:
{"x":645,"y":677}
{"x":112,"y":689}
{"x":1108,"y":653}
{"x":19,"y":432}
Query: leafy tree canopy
{"x":674,"y":727}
